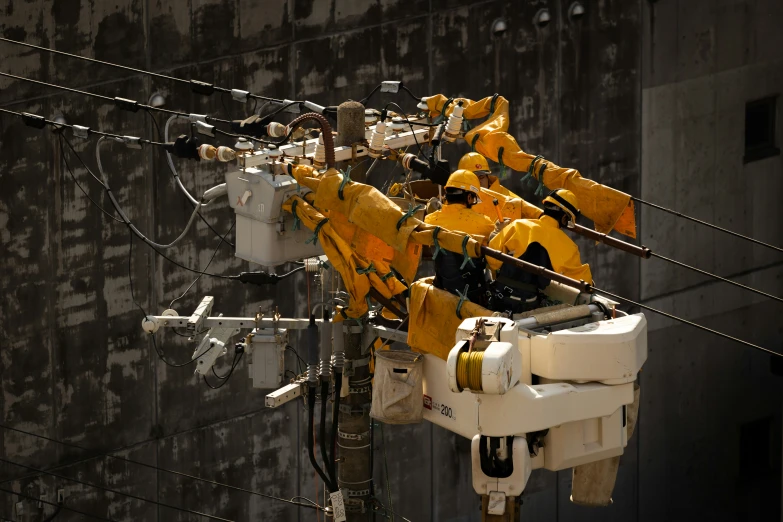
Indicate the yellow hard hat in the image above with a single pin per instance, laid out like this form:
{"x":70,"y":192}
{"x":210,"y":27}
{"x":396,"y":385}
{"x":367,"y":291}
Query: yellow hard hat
{"x":565,"y":200}
{"x":465,"y":180}
{"x":474,"y":162}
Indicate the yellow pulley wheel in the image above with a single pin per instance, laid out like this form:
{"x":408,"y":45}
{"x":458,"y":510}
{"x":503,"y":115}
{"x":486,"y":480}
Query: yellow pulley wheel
{"x":469,"y":370}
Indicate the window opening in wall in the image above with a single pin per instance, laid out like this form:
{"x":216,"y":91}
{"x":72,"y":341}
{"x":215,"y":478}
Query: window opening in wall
{"x":760,"y":126}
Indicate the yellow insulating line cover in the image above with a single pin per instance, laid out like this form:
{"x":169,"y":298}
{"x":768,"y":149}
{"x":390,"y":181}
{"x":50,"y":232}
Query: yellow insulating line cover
{"x":433,"y":319}
{"x":367,"y":208}
{"x":608,"y":208}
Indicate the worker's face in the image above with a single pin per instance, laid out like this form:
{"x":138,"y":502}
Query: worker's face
{"x":472,"y":199}
{"x":484,"y":180}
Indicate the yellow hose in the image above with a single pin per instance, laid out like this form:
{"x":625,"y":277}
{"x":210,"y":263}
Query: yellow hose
{"x":469,"y":370}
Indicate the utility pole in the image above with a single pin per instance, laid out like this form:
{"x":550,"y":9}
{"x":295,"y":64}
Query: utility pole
{"x":354,"y":450}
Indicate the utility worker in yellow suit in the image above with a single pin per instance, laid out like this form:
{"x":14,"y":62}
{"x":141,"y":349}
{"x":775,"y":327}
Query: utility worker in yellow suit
{"x":541,"y":242}
{"x":477,"y":164}
{"x":451,"y":273}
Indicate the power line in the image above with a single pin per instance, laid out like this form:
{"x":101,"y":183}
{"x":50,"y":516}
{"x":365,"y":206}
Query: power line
{"x":68,"y":508}
{"x":699,"y":221}
{"x":116,"y":492}
{"x":197,"y":86}
{"x":311,"y":504}
{"x":684,"y":321}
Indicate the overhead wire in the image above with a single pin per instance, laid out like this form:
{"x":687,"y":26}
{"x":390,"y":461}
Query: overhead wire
{"x":165,"y":470}
{"x":192,"y":83}
{"x":115,"y":492}
{"x":710,"y":225}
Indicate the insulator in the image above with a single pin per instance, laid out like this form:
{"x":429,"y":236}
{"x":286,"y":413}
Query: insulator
{"x":276,"y":130}
{"x":423,"y":103}
{"x":207,"y":152}
{"x":225,"y":154}
{"x":243,"y":145}
{"x":273,"y":152}
{"x":469,"y":370}
{"x":312,"y":373}
{"x":371,"y":116}
{"x":406,"y":160}
{"x":298,"y":133}
{"x":377,"y":139}
{"x":454,"y":125}
{"x":338,"y":360}
{"x":325,"y":369}
{"x":312,"y":264}
{"x":319,"y":158}
{"x":397,"y":124}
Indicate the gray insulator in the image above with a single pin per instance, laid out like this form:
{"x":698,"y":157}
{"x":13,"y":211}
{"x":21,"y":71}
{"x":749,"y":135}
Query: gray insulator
{"x":312,"y":373}
{"x":325,"y":369}
{"x":338,"y":360}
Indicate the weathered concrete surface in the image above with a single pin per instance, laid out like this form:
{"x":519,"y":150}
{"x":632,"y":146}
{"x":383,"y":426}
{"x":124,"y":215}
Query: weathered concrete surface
{"x":75,"y":364}
{"x":703,"y":62}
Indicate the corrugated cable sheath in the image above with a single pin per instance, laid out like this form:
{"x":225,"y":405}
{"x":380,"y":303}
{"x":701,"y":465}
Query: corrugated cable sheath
{"x":332,"y":484}
{"x":311,"y":435}
{"x":338,"y":384}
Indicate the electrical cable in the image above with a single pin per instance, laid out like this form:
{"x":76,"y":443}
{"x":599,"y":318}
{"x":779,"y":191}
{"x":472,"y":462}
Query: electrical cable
{"x":68,"y":508}
{"x":193,"y":83}
{"x":311,"y":437}
{"x":699,"y":221}
{"x":328,"y":468}
{"x":115,"y":492}
{"x":684,"y":321}
{"x":364,"y":100}
{"x":234,"y":364}
{"x":156,"y":468}
{"x":300,"y":361}
{"x":413,"y":131}
{"x":222,"y":240}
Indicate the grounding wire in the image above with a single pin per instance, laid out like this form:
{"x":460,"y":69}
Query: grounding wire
{"x":157,"y":468}
{"x":114,"y":491}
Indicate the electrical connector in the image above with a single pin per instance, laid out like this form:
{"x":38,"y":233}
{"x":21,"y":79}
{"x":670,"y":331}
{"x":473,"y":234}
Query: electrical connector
{"x":258,"y":278}
{"x":240,"y":95}
{"x":126,"y":104}
{"x":454,"y":124}
{"x":80,"y":131}
{"x":203,"y":88}
{"x":33,"y":120}
{"x":205,"y":128}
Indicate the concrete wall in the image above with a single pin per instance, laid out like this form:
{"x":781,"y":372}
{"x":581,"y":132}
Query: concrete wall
{"x":703,"y":61}
{"x":75,"y":364}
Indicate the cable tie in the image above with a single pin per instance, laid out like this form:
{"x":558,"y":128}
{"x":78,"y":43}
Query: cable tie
{"x":314,"y":238}
{"x":387,"y":276}
{"x":33,"y":120}
{"x":126,"y":104}
{"x":369,"y":270}
{"x":390,"y":86}
{"x":541,"y":187}
{"x":473,"y":143}
{"x":203,"y":88}
{"x":500,"y":161}
{"x":291,"y":106}
{"x":435,"y":243}
{"x":80,"y":131}
{"x":408,"y":213}
{"x":442,"y":116}
{"x":463,"y":296}
{"x":529,"y":174}
{"x":240,"y":95}
{"x":194,"y":118}
{"x":492,"y":103}
{"x":132,"y":142}
{"x":205,"y":129}
{"x":297,"y":221}
{"x":346,"y":179}
{"x":467,"y":259}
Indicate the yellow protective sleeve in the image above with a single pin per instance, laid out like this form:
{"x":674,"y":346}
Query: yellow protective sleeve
{"x":459,"y":218}
{"x":494,"y":185}
{"x":510,"y":207}
{"x":563,"y":252}
{"x":433,"y":320}
{"x":608,"y":208}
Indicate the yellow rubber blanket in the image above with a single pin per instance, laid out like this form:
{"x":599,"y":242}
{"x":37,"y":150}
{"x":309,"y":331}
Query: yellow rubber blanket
{"x":358,"y":273}
{"x":433,"y":322}
{"x":608,"y":208}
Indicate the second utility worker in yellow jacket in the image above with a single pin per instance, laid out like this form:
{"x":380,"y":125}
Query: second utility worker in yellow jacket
{"x":539,"y":241}
{"x":462,"y":192}
{"x":477,"y":164}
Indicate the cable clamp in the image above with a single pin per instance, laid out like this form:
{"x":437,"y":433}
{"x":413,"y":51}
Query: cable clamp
{"x":193,"y":118}
{"x":355,"y":505}
{"x":530,"y":168}
{"x":314,"y":238}
{"x":390,"y":86}
{"x":356,"y":492}
{"x":355,"y":410}
{"x":33,"y":120}
{"x":132,"y":142}
{"x":80,"y":132}
{"x":408,"y":214}
{"x":240,"y":95}
{"x":463,"y":296}
{"x":360,"y":389}
{"x":202,"y":88}
{"x":387,"y":276}
{"x":466,"y":258}
{"x":352,"y":364}
{"x":314,"y":107}
{"x":205,"y":128}
{"x":126,"y":104}
{"x":353,"y":436}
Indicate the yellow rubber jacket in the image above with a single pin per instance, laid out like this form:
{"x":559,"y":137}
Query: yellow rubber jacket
{"x":510,"y":206}
{"x":495,"y":186}
{"x":563,"y":252}
{"x":459,"y":218}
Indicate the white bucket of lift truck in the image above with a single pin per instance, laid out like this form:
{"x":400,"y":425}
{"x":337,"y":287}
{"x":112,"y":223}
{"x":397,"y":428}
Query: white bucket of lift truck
{"x":398,"y":392}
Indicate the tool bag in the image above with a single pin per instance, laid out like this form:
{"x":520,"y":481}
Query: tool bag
{"x":398,"y":392}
